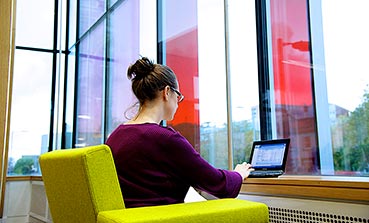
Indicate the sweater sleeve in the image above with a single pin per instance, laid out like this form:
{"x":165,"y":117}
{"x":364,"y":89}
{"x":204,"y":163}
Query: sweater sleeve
{"x":187,"y":165}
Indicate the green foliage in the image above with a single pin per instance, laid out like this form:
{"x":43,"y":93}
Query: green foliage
{"x":10,"y":165}
{"x":243,"y":136}
{"x":354,"y":155}
{"x":24,"y":166}
{"x":214,"y":143}
{"x":338,"y":160}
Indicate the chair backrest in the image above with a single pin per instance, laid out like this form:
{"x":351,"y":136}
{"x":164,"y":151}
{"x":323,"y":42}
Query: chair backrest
{"x":80,"y":183}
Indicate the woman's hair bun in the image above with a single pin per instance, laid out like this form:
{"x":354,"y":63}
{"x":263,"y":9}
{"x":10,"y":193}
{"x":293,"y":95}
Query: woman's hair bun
{"x":140,"y":69}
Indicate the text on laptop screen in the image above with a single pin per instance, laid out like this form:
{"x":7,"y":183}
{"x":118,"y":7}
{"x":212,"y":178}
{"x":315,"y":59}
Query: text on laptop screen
{"x":268,"y":155}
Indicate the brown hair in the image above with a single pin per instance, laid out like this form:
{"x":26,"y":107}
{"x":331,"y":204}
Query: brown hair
{"x":149,"y":78}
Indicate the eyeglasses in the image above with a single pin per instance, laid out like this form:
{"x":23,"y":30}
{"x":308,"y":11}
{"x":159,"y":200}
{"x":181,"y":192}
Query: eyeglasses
{"x":180,"y":96}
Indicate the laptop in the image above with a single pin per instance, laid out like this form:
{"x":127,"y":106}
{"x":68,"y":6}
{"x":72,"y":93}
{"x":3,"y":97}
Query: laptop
{"x":268,"y":157}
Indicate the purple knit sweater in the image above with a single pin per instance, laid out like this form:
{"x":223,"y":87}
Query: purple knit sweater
{"x":156,"y":165}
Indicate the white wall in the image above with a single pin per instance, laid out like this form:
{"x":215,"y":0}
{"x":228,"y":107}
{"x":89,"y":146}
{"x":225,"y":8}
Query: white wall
{"x":25,"y":201}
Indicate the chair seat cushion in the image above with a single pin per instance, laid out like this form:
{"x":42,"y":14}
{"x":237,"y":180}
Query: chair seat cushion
{"x":222,"y":210}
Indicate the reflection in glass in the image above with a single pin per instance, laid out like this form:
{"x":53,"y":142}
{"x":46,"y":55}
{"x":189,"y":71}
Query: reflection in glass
{"x":178,"y":48}
{"x":89,"y":13}
{"x":123,"y":50}
{"x":90,"y":87}
{"x":292,"y":83}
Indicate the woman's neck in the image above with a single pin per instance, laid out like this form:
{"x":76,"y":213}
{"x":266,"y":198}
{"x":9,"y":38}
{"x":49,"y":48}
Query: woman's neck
{"x":147,"y":114}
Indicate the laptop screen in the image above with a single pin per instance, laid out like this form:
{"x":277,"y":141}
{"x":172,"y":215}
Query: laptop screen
{"x":269,"y":154}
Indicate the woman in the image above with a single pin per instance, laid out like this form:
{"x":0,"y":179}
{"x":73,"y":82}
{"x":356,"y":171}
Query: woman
{"x":156,"y":165}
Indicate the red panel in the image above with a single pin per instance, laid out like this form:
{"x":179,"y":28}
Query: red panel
{"x":291,"y":58}
{"x":293,"y":84}
{"x":182,"y":57}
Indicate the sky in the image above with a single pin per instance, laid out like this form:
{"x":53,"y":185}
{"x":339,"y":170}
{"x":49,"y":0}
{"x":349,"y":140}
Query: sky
{"x":346,"y":36}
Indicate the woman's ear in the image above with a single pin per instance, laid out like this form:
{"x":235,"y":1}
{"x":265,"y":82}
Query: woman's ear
{"x":166,"y":93}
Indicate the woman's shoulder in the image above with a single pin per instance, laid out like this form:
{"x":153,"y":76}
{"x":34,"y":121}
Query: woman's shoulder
{"x":149,"y":131}
{"x":147,"y":128}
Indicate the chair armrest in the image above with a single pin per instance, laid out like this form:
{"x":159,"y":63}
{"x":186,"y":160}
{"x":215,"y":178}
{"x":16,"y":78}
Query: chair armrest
{"x":222,"y":210}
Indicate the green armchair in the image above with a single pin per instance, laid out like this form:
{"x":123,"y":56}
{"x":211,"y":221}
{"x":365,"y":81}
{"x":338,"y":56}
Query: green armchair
{"x":82,"y":186}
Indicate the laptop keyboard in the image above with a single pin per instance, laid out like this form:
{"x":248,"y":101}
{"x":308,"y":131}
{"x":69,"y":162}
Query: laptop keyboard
{"x":257,"y":173}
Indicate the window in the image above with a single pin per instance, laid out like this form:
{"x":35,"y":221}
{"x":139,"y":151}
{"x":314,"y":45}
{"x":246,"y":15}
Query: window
{"x":291,"y":80}
{"x":202,"y":72}
{"x":105,"y":50}
{"x":90,"y":79}
{"x":35,"y":29}
{"x":30,"y":115}
{"x":250,"y":70}
{"x":123,"y":50}
{"x":347,"y":81}
{"x":178,"y":48}
{"x":212,"y":88}
{"x":34,"y":73}
{"x":243,"y":74}
{"x":318,"y":84}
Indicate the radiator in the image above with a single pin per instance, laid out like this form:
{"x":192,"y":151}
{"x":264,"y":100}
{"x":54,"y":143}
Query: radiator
{"x":282,"y":215}
{"x":288,"y":210}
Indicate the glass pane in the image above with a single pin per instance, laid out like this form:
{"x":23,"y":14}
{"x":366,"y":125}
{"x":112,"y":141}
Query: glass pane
{"x":90,"y":88}
{"x":62,"y":24}
{"x":178,"y":39}
{"x":30,"y":111}
{"x":90,"y":12}
{"x":58,"y":119}
{"x":123,"y":50}
{"x":72,"y":38}
{"x":212,"y":79}
{"x":292,"y":80}
{"x":35,"y":23}
{"x":346,"y":59}
{"x":244,"y":77}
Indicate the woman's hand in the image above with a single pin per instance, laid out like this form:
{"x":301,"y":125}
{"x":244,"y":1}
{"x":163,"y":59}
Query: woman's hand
{"x":243,"y":169}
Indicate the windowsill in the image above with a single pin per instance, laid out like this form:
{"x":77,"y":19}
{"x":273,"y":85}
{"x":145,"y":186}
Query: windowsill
{"x":348,"y":189}
{"x":24,"y":178}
